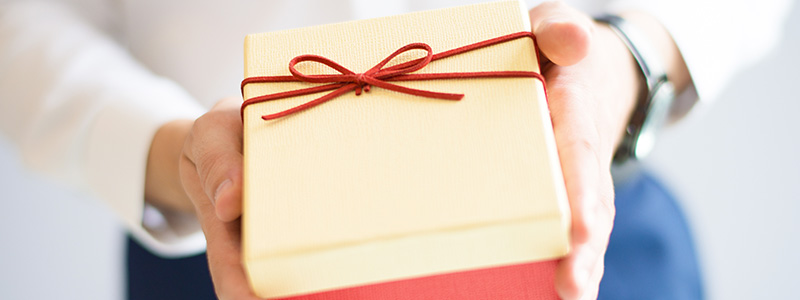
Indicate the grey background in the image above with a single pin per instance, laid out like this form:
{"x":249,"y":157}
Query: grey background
{"x":736,"y":168}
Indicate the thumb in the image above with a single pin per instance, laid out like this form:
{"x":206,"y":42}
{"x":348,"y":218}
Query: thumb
{"x":562,"y":32}
{"x":215,"y":148}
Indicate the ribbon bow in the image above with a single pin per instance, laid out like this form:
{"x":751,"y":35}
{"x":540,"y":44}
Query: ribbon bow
{"x":378,"y":76}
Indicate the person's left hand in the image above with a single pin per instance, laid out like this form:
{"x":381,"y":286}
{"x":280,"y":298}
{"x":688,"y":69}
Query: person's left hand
{"x":211,"y":174}
{"x":196,"y":166}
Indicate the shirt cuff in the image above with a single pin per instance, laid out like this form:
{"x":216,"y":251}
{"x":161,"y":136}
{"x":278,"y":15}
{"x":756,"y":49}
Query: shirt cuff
{"x":714,"y":50}
{"x":119,"y":142}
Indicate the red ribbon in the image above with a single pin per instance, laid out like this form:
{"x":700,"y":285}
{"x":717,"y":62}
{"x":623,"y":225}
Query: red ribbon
{"x":379,"y":76}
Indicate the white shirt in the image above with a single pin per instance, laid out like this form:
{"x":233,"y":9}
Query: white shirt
{"x":84,"y":84}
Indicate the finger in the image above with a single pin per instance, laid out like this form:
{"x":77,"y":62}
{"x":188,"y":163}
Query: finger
{"x":578,"y":276}
{"x":225,"y":262}
{"x":562,"y":32}
{"x":595,"y":247}
{"x":594,"y":280}
{"x":215,"y":148}
{"x":222,"y":239}
{"x":580,"y":168}
{"x":572,"y":107}
{"x":605,"y":212}
{"x":574,"y":272}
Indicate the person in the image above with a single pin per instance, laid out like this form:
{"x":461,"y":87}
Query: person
{"x":136,"y":125}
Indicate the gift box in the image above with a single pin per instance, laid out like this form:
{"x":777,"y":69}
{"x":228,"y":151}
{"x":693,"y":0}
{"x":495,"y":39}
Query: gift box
{"x":409,"y":156}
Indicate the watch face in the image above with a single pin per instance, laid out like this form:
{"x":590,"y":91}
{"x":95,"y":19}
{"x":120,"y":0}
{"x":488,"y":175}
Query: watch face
{"x":660,"y":104}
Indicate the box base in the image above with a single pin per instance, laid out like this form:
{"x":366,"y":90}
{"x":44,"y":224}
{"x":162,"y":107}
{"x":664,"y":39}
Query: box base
{"x":407,"y":257}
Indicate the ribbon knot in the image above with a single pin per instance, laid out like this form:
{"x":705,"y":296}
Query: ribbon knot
{"x":378,"y":76}
{"x":362,"y":83}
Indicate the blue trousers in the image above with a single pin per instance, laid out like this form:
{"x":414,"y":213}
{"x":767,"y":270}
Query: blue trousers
{"x":650,"y":255}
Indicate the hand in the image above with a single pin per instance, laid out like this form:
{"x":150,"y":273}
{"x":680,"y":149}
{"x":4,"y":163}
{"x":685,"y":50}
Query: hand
{"x":593,"y":83}
{"x":197,"y":166}
{"x":211,"y":174}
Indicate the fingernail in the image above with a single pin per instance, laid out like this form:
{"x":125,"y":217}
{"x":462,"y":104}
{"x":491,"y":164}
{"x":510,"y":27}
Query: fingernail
{"x":560,"y":19}
{"x":556,"y":20}
{"x":547,"y":22}
{"x":221,"y":188}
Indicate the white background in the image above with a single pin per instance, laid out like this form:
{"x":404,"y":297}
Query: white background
{"x":736,"y":168}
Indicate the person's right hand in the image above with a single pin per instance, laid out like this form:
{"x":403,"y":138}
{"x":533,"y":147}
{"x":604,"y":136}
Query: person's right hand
{"x":211,"y":175}
{"x":593,"y":83}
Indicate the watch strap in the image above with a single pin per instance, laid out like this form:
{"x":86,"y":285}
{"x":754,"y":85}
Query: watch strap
{"x":639,"y":133}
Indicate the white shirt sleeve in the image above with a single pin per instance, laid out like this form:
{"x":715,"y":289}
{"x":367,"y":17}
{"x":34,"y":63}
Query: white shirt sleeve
{"x":717,"y":38}
{"x":81,"y":110}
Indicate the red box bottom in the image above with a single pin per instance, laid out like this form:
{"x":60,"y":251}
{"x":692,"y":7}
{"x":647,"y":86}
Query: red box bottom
{"x":515,"y":282}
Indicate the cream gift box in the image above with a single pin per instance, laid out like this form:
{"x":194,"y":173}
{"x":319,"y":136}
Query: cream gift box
{"x":386,"y":185}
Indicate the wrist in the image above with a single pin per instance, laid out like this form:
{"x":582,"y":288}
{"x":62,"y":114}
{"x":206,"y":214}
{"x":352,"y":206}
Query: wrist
{"x":663,"y":70}
{"x":628,"y":86}
{"x":163,"y":187}
{"x":669,"y":54}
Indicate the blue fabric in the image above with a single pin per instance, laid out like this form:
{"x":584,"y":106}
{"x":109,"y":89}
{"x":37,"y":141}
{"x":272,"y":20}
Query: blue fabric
{"x":154,"y":278}
{"x":650,"y":255}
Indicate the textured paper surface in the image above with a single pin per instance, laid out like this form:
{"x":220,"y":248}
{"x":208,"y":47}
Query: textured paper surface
{"x":386,"y":186}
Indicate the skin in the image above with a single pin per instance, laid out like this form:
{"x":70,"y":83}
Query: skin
{"x":593,"y":83}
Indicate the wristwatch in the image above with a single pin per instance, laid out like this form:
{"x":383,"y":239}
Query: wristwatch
{"x":653,"y":106}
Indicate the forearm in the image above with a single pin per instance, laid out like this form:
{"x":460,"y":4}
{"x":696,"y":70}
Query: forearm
{"x":82,"y":110}
{"x":716,"y":38}
{"x":618,"y":109}
{"x":660,"y":39}
{"x":666,"y":54}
